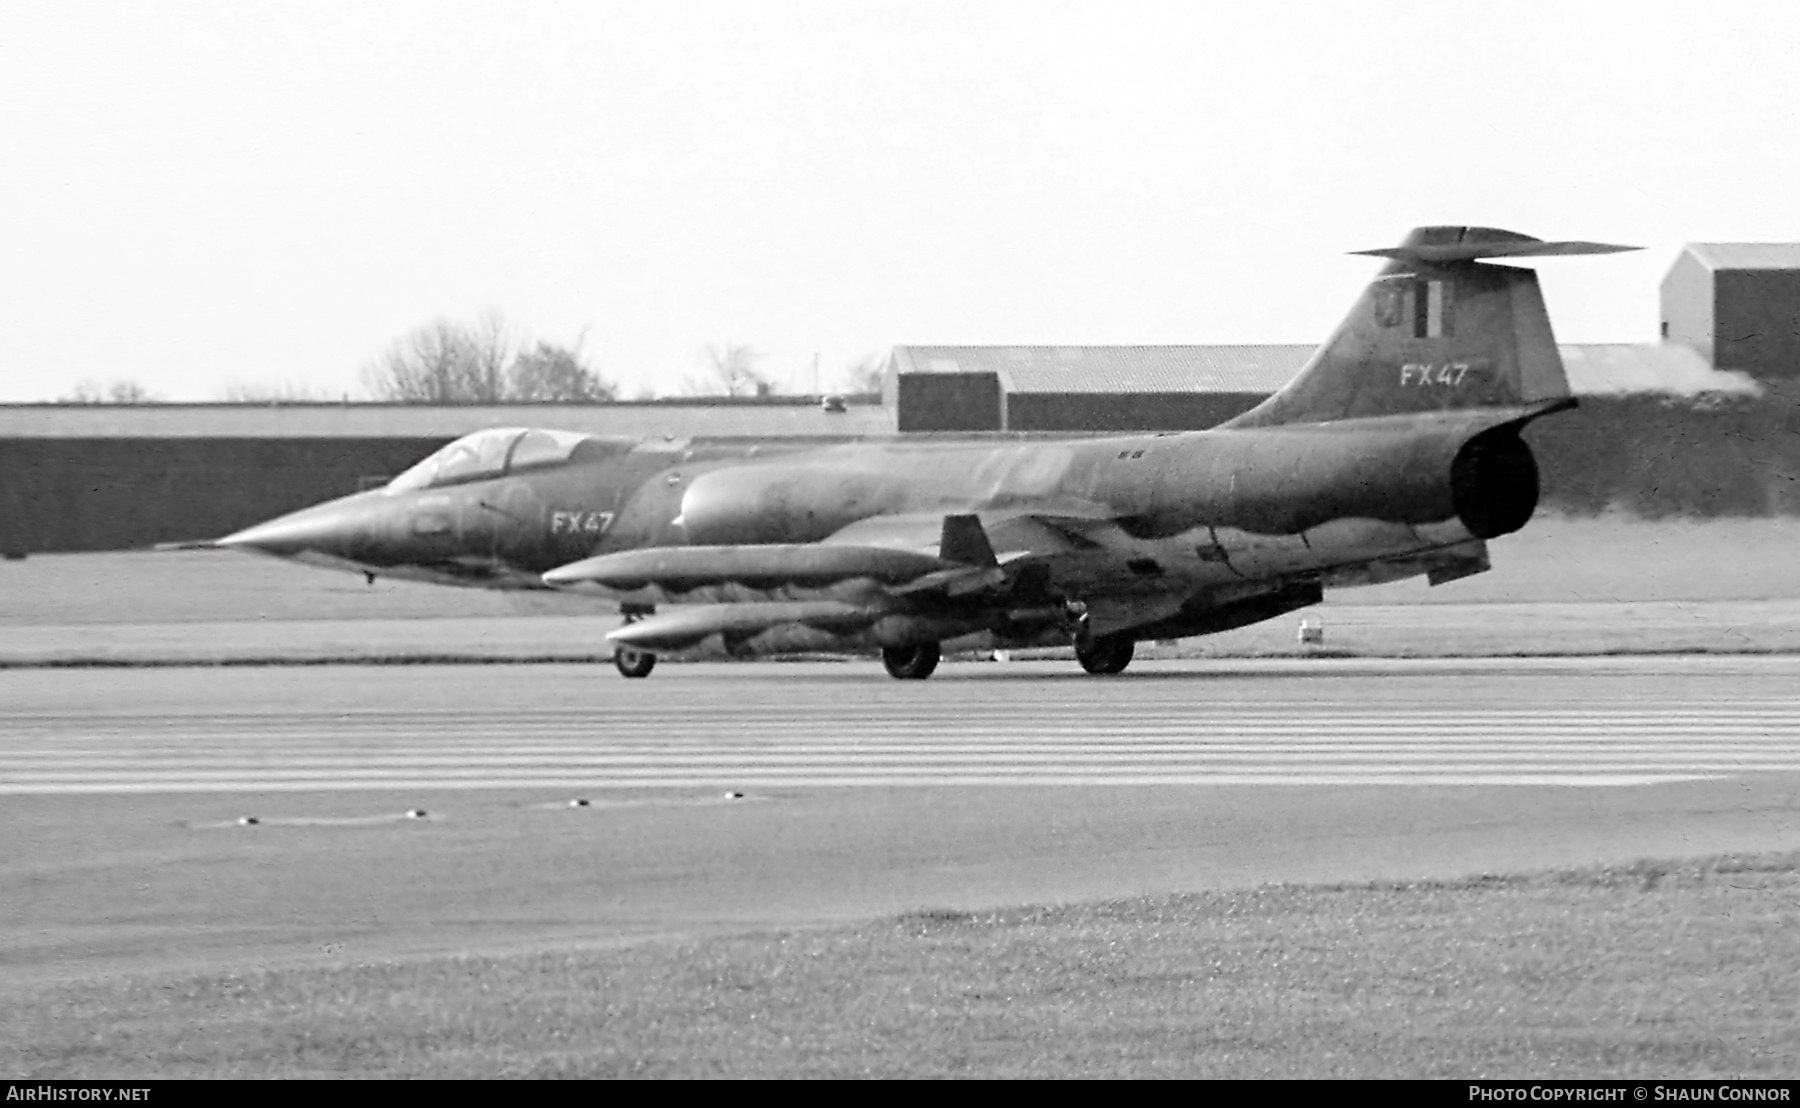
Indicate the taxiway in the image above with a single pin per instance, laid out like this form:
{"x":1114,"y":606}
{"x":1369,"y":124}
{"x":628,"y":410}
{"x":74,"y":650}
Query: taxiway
{"x":202,"y":818}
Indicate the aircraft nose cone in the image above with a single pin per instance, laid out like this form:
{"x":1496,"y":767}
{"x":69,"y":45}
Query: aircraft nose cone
{"x":324,"y":530}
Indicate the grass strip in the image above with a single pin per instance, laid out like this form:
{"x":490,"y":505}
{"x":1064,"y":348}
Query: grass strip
{"x":1652,"y":969}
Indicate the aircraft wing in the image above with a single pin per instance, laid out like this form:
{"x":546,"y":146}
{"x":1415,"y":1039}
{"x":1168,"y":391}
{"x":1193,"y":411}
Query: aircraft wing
{"x":962,"y":569}
{"x":953,"y":554}
{"x":1013,"y":533}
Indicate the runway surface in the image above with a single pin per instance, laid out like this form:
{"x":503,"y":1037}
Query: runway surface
{"x":839,"y":725}
{"x":199,"y":817}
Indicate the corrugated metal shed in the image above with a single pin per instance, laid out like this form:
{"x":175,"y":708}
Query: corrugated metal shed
{"x":1738,"y":304}
{"x":387,"y":421}
{"x":1747,"y":255}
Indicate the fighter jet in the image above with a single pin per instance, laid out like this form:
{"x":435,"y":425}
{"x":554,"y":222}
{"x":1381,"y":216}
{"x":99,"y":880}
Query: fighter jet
{"x":1394,"y":452}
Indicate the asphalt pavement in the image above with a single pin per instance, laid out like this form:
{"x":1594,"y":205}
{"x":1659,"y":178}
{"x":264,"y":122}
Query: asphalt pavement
{"x":203,"y":818}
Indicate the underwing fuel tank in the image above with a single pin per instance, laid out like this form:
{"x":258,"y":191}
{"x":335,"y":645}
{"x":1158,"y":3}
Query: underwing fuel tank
{"x":679,"y":568}
{"x":846,"y":622}
{"x":681,"y":628}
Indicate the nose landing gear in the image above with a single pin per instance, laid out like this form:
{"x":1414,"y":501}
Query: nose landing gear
{"x":629,"y":660}
{"x":910,"y":663}
{"x":632,"y":662}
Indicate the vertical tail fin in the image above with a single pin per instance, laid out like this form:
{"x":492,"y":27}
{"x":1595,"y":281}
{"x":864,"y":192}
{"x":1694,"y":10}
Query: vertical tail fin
{"x":1435,"y":331}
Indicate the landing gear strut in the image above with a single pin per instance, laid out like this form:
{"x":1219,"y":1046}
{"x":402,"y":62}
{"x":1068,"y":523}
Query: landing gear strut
{"x":910,"y":663}
{"x":1105,"y":654}
{"x":633,"y":662}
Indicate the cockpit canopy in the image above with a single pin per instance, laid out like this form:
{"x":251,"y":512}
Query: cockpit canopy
{"x":491,"y":453}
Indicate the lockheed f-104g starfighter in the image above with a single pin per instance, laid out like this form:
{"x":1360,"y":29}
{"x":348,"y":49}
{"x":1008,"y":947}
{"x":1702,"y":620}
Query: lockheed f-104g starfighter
{"x":1394,"y":452}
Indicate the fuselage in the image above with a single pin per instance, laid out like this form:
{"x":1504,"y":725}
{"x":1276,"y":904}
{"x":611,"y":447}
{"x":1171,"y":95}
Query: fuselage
{"x":1180,"y":511}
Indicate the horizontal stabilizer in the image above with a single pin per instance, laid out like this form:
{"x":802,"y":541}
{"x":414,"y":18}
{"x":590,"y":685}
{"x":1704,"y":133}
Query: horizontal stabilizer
{"x":1441,"y":245}
{"x":680,"y":628}
{"x":681,"y":568}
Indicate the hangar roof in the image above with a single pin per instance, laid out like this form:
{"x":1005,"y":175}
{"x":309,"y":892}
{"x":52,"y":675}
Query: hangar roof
{"x":1595,"y":369}
{"x":649,"y":420}
{"x":1613,"y":368}
{"x":1747,"y":255}
{"x":1109,"y":369}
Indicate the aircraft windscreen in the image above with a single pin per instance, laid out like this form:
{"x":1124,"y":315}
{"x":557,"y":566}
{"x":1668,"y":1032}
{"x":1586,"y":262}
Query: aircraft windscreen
{"x":539,"y":448}
{"x":488,"y":453}
{"x":482,"y":454}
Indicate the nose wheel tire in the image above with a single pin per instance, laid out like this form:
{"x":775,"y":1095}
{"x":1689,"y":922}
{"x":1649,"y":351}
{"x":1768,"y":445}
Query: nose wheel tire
{"x":634,"y":663}
{"x":1105,"y":655}
{"x":910,"y":663}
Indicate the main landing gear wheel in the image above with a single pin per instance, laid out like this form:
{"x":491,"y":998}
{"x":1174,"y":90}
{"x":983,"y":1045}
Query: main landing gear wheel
{"x":633,"y":663}
{"x":1105,"y":655}
{"x":910,"y":663}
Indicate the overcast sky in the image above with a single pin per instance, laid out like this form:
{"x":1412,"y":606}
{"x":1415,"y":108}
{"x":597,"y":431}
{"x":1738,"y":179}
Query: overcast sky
{"x":268,"y":194}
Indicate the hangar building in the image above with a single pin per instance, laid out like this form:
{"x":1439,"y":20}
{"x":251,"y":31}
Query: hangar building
{"x":1176,"y":388}
{"x":1738,"y":304}
{"x":1732,"y":307}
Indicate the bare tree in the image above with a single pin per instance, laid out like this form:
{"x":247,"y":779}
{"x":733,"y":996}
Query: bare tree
{"x":864,"y":374}
{"x":446,"y":362}
{"x":731,"y":367}
{"x":548,"y":372}
{"x":288,"y":392}
{"x":114,"y":392}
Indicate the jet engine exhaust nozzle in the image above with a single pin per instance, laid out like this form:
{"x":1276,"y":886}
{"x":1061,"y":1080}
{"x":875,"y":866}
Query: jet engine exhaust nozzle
{"x":1494,"y":484}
